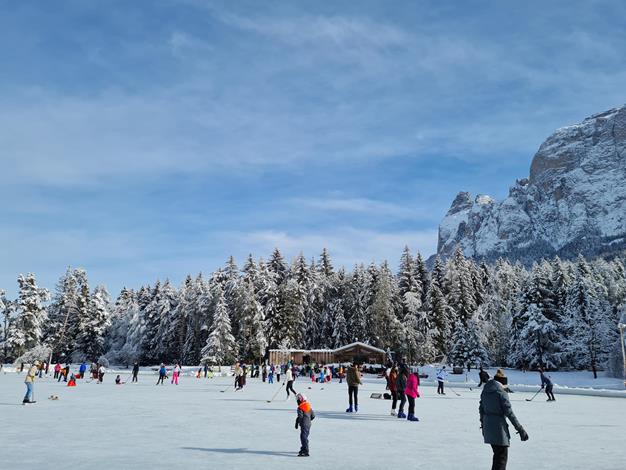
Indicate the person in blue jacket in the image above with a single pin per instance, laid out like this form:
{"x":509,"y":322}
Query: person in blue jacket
{"x":82,"y":369}
{"x":547,"y":384}
{"x":162,"y":374}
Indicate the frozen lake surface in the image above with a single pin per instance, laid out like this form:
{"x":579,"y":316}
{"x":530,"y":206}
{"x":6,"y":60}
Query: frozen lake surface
{"x":194,"y":425}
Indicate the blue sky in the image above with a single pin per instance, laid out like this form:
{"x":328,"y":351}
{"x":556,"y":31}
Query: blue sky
{"x":151,"y":139}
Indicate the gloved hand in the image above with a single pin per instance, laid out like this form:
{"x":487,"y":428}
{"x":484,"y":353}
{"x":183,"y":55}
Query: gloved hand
{"x":523,"y":435}
{"x":296,"y":424}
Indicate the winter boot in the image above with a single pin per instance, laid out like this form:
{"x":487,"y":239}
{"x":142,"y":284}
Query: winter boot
{"x":303,"y":454}
{"x":349,"y":410}
{"x":356,"y":408}
{"x":401,"y":415}
{"x":393,"y":412}
{"x":412,"y":418}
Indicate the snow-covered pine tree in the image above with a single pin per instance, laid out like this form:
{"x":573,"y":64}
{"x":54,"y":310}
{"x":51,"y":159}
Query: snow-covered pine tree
{"x":440,"y":315}
{"x":93,"y":328}
{"x":278,"y":267}
{"x":357,"y":299}
{"x":589,"y":321}
{"x":121,"y":318}
{"x":421,"y":274}
{"x":26,"y":331}
{"x":462,"y":297}
{"x":467,"y":344}
{"x":178,"y":320}
{"x":339,"y":330}
{"x":291,"y":320}
{"x":252,"y":341}
{"x":386,"y":329}
{"x":152,"y":319}
{"x":221,"y":347}
{"x":272,"y":303}
{"x":64,"y":316}
{"x":536,"y":333}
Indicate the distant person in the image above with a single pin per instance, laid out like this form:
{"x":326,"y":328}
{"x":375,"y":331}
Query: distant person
{"x":118,"y":380}
{"x":135,"y":372}
{"x":162,"y":374}
{"x":101,"y":372}
{"x":289,"y":379}
{"x":72,"y":382}
{"x":483,"y":376}
{"x":401,"y":380}
{"x":57,"y":370}
{"x":392,"y":377}
{"x":354,"y":380}
{"x":442,"y":374}
{"x":546,"y":383}
{"x":30,"y":383}
{"x":82,"y":369}
{"x":494,"y":409}
{"x":175,"y":374}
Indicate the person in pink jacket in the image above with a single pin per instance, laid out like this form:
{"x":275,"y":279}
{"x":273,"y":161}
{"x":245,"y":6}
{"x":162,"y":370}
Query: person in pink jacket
{"x":412,"y":392}
{"x":175,"y":374}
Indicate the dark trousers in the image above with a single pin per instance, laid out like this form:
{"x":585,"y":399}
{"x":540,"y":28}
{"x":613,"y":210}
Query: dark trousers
{"x":304,"y":439}
{"x":394,"y":399}
{"x":411,"y":405}
{"x":500,"y":457}
{"x":402,"y":397}
{"x":134,"y":377}
{"x":549,"y":392}
{"x":353,"y":395}
{"x":56,"y":374}
{"x":290,"y":387}
{"x":440,"y":387}
{"x":161,"y":379}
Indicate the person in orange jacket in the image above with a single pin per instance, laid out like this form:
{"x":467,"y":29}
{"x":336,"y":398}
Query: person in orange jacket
{"x":303,"y":421}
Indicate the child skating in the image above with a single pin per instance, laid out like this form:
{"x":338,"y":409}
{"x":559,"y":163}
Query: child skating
{"x":305,"y":416}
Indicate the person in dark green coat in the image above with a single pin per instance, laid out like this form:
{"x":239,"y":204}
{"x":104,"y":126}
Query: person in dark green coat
{"x":494,"y":410}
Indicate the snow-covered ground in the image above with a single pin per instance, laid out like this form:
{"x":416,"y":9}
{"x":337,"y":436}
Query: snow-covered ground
{"x":194,"y":425}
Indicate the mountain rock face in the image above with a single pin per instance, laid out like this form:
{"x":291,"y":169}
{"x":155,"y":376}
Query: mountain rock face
{"x":574,"y":200}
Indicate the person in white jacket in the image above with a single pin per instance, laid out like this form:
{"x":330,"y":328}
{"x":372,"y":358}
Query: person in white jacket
{"x":30,"y":383}
{"x":442,"y":374}
{"x":101,"y":372}
{"x":289,"y":380}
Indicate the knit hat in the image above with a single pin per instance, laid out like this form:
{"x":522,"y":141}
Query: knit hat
{"x":500,"y":377}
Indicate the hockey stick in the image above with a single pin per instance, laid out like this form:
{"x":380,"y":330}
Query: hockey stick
{"x":276,"y":394}
{"x":533,"y":397}
{"x":455,"y":392}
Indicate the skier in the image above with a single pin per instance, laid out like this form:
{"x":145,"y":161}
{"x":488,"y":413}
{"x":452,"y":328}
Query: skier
{"x":57,"y":370}
{"x":483,"y":376}
{"x":162,"y":374}
{"x":494,"y":408}
{"x":289,"y":379}
{"x":412,"y":392}
{"x":392,"y":376}
{"x":441,"y":377}
{"x":354,"y":380}
{"x":401,"y":381}
{"x":305,"y":416}
{"x":101,"y":371}
{"x":175,"y":373}
{"x":30,"y":383}
{"x":82,"y":369}
{"x":547,"y":383}
{"x":135,"y":371}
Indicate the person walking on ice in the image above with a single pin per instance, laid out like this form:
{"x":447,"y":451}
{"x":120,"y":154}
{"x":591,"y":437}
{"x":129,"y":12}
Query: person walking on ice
{"x":546,"y":383}
{"x":289,"y":379}
{"x":494,"y":410}
{"x":442,"y":374}
{"x":303,"y":421}
{"x":354,"y":380}
{"x":483,"y":376}
{"x":412,"y":392}
{"x":30,"y":383}
{"x":135,"y":371}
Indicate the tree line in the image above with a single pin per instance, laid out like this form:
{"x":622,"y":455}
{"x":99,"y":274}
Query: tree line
{"x":555,"y":314}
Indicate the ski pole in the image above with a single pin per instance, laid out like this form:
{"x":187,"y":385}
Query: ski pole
{"x":279,"y":389}
{"x":533,"y":397}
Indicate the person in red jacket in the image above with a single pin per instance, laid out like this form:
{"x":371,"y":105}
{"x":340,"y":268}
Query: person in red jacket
{"x":412,"y":392}
{"x":393,"y":389}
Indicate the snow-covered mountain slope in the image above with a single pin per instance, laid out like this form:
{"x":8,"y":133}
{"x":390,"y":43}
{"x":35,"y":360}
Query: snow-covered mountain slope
{"x":573,"y":202}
